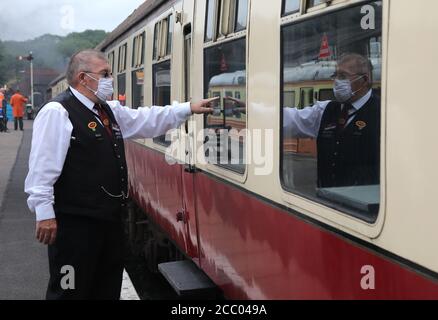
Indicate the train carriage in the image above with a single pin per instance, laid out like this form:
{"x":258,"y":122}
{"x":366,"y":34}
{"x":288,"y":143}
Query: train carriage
{"x":258,"y":225}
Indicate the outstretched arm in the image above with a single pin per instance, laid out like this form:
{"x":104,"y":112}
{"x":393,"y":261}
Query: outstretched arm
{"x":152,"y":122}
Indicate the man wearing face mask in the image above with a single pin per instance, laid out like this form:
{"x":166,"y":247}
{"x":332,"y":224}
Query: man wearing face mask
{"x":77,"y":180}
{"x":347,"y":130}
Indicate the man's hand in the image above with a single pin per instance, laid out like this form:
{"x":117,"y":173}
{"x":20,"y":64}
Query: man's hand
{"x":203,"y":106}
{"x":240,"y":103}
{"x":46,"y":231}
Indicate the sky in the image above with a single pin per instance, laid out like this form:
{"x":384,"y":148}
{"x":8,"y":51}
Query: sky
{"x":27,"y":19}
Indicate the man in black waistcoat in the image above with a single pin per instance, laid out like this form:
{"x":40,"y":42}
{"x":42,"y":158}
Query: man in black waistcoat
{"x":77,"y":180}
{"x":347,"y":129}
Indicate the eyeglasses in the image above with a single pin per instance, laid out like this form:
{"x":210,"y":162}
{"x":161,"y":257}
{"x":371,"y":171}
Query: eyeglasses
{"x":105,"y":74}
{"x":344,"y":76}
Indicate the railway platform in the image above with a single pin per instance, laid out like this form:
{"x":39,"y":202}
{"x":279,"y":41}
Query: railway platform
{"x":24,"y":270}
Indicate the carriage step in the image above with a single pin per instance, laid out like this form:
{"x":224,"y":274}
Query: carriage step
{"x":187,"y":279}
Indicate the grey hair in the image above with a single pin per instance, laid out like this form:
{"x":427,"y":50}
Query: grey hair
{"x":79,"y":62}
{"x":361,"y":64}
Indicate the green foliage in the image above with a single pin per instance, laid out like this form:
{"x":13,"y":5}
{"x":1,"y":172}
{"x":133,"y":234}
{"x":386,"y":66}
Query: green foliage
{"x":2,"y":66}
{"x":49,"y":51}
{"x":5,"y":62}
{"x":44,"y":50}
{"x":79,"y":41}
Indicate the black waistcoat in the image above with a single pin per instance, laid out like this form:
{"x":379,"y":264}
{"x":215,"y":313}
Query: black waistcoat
{"x":94,"y":176}
{"x":350,"y":157}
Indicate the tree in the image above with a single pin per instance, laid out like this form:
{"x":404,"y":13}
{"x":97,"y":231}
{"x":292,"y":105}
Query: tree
{"x":50,"y":51}
{"x":5,"y":62}
{"x":78,"y":41}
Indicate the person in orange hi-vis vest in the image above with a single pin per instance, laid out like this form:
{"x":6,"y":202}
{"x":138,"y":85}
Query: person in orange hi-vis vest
{"x":17,"y":103}
{"x":122,"y":99}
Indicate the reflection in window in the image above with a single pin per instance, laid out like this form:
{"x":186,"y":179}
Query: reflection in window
{"x":291,"y":6}
{"x":161,"y":91}
{"x":225,"y":73}
{"x":313,"y":3}
{"x":331,"y":153}
{"x":289,"y":99}
{"x":121,"y":88}
{"x":137,"y":88}
{"x":242,"y":13}
{"x":209,"y":24}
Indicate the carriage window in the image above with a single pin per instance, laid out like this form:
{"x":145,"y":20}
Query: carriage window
{"x":157,"y":27}
{"x":161,"y":91}
{"x":122,"y":58}
{"x":121,"y":77}
{"x":314,"y":3}
{"x":331,"y":148}
{"x":121,"y":88}
{"x":163,"y":36}
{"x":138,"y":50}
{"x":242,"y":13}
{"x":169,"y":34}
{"x":137,"y":79}
{"x":137,"y":88}
{"x":111,"y":60}
{"x":291,"y":6}
{"x":209,"y":24}
{"x":225,"y":73}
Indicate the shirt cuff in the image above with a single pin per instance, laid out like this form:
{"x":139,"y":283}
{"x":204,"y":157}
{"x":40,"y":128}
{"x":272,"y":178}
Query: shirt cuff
{"x":45,"y":212}
{"x":184,"y":110}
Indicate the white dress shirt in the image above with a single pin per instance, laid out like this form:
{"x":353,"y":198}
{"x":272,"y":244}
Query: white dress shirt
{"x":52,"y":131}
{"x":306,"y":123}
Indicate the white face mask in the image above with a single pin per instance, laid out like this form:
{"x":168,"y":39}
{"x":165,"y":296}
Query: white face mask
{"x":105,"y":88}
{"x":342,"y":89}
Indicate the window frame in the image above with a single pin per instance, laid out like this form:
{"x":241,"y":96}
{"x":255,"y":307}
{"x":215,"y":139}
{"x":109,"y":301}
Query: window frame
{"x":215,"y":19}
{"x":288,"y":13}
{"x":163,"y":41}
{"x":153,"y":87}
{"x":304,"y":7}
{"x":138,"y":50}
{"x":111,"y":60}
{"x":236,"y":17}
{"x":161,"y":55}
{"x":222,"y":169}
{"x":338,"y":216}
{"x":122,"y":58}
{"x":224,"y":22}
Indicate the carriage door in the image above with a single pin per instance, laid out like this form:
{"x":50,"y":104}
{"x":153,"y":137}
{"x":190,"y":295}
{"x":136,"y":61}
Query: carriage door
{"x":189,"y":217}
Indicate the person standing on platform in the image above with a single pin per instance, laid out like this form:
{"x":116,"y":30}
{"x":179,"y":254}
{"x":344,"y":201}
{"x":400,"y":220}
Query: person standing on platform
{"x":3,"y":116}
{"x":17,"y":103}
{"x":77,"y":180}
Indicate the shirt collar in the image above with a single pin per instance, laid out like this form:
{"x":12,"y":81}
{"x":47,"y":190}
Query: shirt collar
{"x":362,"y":101}
{"x":85,"y":101}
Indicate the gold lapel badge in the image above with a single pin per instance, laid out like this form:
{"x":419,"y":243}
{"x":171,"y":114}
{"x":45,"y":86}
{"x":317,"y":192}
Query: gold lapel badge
{"x":361,"y":125}
{"x":92,"y":126}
